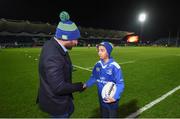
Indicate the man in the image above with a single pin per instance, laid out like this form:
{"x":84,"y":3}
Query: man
{"x":55,"y":71}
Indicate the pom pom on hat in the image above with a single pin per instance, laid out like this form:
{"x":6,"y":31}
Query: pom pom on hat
{"x":66,"y":29}
{"x":64,"y":16}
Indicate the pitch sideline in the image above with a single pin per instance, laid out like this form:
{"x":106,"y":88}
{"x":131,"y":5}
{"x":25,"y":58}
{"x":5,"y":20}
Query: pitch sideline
{"x":147,"y":106}
{"x":151,"y":104}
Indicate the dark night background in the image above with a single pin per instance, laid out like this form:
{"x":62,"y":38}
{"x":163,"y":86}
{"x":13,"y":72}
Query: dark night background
{"x":162,"y":16}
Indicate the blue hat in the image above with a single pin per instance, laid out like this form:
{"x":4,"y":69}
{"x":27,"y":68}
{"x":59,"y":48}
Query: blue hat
{"x":66,"y":29}
{"x":108,"y":46}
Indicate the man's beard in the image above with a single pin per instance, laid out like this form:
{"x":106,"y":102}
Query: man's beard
{"x":69,"y":47}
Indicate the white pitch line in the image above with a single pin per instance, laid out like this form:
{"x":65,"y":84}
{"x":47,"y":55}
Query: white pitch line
{"x":82,"y":68}
{"x":151,"y":104}
{"x":88,"y":69}
{"x":127,"y":62}
{"x":177,"y":55}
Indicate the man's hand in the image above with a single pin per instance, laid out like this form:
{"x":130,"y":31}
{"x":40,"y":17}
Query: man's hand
{"x":83,"y":88}
{"x":109,"y":100}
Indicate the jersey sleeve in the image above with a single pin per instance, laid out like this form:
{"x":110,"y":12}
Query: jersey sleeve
{"x":92,"y":79}
{"x":119,"y":82}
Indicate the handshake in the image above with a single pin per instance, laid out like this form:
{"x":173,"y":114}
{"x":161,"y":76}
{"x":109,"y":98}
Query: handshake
{"x":79,"y":87}
{"x":83,"y":87}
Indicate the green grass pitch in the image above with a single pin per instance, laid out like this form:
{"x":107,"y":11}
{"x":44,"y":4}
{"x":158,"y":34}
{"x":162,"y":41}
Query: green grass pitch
{"x":149,"y":73}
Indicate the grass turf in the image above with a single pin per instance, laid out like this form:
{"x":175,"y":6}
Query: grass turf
{"x":151,"y":73}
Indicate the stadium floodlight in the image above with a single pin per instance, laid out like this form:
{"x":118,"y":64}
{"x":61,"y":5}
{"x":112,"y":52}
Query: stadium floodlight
{"x":142,"y":19}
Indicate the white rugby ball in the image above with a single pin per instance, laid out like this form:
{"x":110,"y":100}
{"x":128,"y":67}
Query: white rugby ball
{"x":108,"y":90}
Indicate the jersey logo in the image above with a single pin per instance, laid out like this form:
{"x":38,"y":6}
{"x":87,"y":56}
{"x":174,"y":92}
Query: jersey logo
{"x":97,"y":69}
{"x":109,"y":71}
{"x":102,"y":78}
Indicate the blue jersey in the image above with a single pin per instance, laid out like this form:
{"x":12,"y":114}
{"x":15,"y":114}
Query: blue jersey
{"x":103,"y":73}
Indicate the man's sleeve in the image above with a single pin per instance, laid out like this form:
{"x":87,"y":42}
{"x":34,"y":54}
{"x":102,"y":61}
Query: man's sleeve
{"x":55,"y":77}
{"x":92,"y":79}
{"x":119,"y":83}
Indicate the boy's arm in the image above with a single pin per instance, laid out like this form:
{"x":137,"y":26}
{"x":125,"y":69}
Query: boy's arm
{"x":119,"y":83}
{"x":92,"y":79}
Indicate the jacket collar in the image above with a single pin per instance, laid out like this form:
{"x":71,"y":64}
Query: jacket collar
{"x":64,"y":48}
{"x":58,"y":46}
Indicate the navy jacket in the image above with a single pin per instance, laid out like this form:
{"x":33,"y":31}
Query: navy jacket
{"x":55,"y":73}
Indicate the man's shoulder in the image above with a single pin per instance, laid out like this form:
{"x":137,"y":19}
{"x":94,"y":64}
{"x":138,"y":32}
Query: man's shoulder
{"x":51,"y":45}
{"x":50,"y":48}
{"x":49,"y":42}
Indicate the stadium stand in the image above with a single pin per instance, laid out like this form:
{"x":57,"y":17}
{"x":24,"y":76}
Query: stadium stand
{"x":21,"y":33}
{"x":167,"y":42}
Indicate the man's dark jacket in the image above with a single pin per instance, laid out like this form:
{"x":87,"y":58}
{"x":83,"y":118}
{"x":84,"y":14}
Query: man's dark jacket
{"x":55,"y":72}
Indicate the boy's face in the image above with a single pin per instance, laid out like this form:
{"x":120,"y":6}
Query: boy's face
{"x":102,"y":52}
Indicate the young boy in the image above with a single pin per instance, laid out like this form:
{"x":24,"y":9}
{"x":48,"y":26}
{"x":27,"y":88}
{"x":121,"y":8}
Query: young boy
{"x":107,"y":70}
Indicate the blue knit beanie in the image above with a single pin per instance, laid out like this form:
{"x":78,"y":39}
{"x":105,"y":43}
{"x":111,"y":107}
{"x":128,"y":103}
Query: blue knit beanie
{"x":66,"y":29}
{"x":108,"y":46}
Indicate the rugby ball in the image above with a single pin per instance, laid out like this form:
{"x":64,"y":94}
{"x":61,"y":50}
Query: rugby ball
{"x":108,"y":90}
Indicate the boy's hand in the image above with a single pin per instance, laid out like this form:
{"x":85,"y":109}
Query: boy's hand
{"x":109,"y":100}
{"x":84,"y":85}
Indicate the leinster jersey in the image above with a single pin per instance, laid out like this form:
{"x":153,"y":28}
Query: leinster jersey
{"x":107,"y":72}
